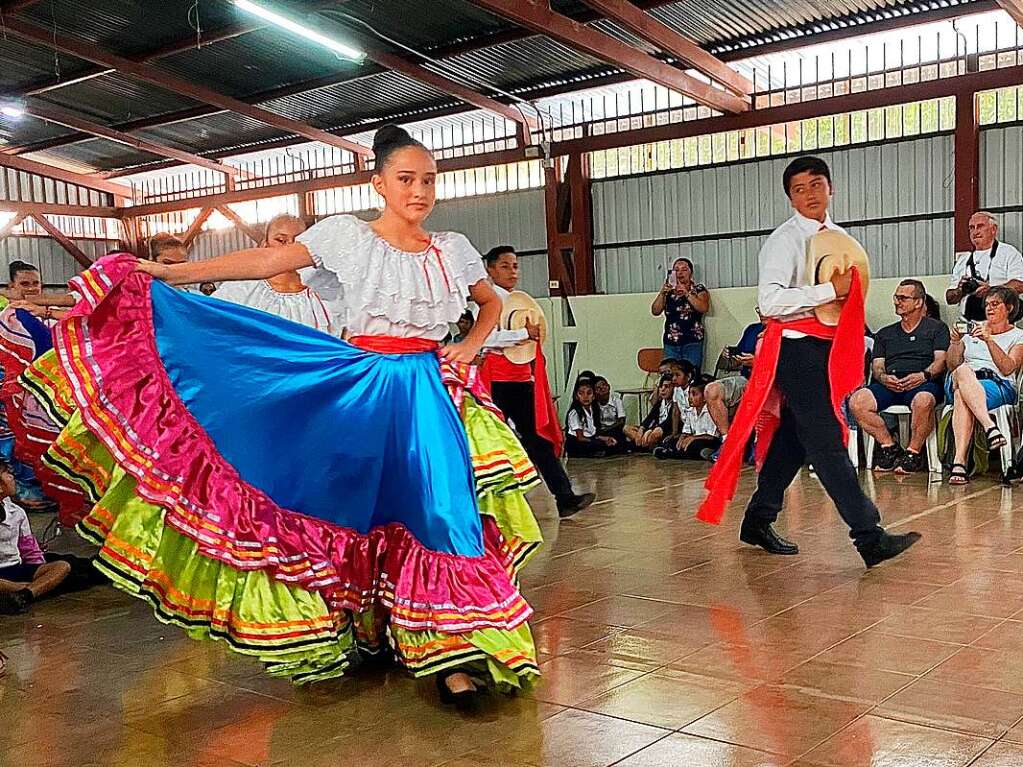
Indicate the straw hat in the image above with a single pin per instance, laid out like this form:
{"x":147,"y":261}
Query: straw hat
{"x":829,"y":253}
{"x":515,"y":310}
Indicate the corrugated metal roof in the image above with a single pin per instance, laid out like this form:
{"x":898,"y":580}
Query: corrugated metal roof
{"x":258,"y":61}
{"x":131,"y":27}
{"x":265,"y":60}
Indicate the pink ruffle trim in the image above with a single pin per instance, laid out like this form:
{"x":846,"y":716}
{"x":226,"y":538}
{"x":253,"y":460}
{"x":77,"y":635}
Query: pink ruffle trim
{"x":108,"y":350}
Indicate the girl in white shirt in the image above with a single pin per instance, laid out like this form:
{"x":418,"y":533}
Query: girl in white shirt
{"x":581,"y":438}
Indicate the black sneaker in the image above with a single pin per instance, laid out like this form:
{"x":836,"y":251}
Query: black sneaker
{"x":910,"y":463}
{"x":661,"y":452}
{"x":887,"y":458}
{"x":15,"y":603}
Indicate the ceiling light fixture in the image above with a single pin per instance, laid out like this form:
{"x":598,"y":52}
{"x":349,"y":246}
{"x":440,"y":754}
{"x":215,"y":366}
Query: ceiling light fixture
{"x":302,"y":30}
{"x":12,"y":110}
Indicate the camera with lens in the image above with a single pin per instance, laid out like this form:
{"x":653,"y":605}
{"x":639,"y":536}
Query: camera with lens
{"x":969,"y":285}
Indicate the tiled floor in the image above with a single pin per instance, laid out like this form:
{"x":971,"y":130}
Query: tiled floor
{"x":663,"y":642}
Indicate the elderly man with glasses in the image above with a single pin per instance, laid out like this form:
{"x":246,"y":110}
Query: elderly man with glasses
{"x":989,"y":263}
{"x":908,"y":365}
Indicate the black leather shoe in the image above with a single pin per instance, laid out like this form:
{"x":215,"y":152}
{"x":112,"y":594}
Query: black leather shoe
{"x":466,"y":701}
{"x":573,"y":504}
{"x":764,"y":536}
{"x":887,"y":547}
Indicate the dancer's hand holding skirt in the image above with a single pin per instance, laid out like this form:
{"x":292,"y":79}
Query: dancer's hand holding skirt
{"x":301,"y":499}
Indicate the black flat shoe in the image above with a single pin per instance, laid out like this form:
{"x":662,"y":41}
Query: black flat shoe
{"x":466,"y":700}
{"x":766,"y":538}
{"x":574,"y":504}
{"x":15,"y":602}
{"x":888,"y":547}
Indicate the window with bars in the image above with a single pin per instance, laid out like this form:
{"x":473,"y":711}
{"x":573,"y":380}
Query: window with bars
{"x":848,"y":129}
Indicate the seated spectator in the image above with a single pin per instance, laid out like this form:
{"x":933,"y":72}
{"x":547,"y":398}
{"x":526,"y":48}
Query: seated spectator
{"x":683,"y":372}
{"x":933,"y":307}
{"x":25,"y":575}
{"x":723,"y":394}
{"x":657,"y":425}
{"x":907,"y":367}
{"x":683,"y":304}
{"x":207,"y":288}
{"x":581,"y":437}
{"x":983,"y":358}
{"x":465,"y":323}
{"x":699,"y":436}
{"x":612,"y":410}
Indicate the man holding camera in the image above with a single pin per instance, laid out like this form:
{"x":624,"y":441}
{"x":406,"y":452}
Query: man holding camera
{"x":990,"y":263}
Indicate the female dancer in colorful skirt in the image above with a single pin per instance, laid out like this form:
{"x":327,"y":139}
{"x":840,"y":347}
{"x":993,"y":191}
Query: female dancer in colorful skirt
{"x":308,"y":501}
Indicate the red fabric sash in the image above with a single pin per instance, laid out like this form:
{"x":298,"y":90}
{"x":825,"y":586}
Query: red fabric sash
{"x":548,"y":425}
{"x":394,"y":344}
{"x":497,"y":367}
{"x":760,"y":407}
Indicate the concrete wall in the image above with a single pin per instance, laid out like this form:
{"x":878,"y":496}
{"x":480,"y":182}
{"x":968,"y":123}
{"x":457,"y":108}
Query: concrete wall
{"x":608,"y":331}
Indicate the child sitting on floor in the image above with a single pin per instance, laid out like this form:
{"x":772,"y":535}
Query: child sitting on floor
{"x":26,"y":573}
{"x":653,"y":429}
{"x":700,"y":437}
{"x":581,"y":437}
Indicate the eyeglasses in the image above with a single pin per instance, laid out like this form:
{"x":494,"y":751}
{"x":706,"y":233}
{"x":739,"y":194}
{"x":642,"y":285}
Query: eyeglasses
{"x":900,"y":299}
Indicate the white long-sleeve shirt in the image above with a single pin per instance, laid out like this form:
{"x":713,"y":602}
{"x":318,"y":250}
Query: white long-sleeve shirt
{"x":500,"y":339}
{"x":784,"y":292}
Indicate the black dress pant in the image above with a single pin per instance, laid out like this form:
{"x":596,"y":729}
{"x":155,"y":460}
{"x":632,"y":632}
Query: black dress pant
{"x":515,"y":399}
{"x":810,"y":433}
{"x":691,"y":453}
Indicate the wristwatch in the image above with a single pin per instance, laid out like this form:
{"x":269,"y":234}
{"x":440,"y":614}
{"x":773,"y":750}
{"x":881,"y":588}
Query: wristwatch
{"x":927,"y":375}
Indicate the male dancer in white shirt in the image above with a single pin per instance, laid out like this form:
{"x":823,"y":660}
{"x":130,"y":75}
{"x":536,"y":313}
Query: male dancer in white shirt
{"x":809,"y":429}
{"x":515,"y":390}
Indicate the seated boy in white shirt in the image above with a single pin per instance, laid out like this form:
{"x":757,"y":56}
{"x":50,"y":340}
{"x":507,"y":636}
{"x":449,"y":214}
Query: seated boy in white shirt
{"x":699,"y":436}
{"x":25,"y":575}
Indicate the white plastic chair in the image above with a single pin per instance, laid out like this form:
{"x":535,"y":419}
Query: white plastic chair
{"x":1005,"y":418}
{"x":903,"y":414}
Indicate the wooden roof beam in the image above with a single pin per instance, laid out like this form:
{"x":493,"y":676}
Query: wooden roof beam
{"x":1014,"y":8}
{"x":83,"y":49}
{"x":67,"y":176}
{"x":71,"y":120}
{"x":537,"y":16}
{"x":64,"y":241}
{"x":26,"y":209}
{"x":671,"y":42}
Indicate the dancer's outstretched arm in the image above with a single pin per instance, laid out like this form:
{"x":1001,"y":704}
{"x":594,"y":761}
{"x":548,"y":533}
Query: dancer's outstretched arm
{"x":250,"y":264}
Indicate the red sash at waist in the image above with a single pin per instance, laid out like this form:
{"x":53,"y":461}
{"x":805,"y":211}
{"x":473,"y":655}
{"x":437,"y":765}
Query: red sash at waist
{"x":497,"y":367}
{"x":760,"y":408}
{"x":394,"y":344}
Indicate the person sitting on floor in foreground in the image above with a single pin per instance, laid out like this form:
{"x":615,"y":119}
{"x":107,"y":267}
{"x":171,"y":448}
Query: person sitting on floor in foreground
{"x":25,"y":575}
{"x":907,"y":367}
{"x":724,"y":394}
{"x":656,"y":427}
{"x":699,"y":437}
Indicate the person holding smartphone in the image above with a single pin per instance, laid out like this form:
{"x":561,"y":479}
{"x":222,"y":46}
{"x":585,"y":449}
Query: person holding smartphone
{"x":983,"y":358}
{"x":683,"y":303}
